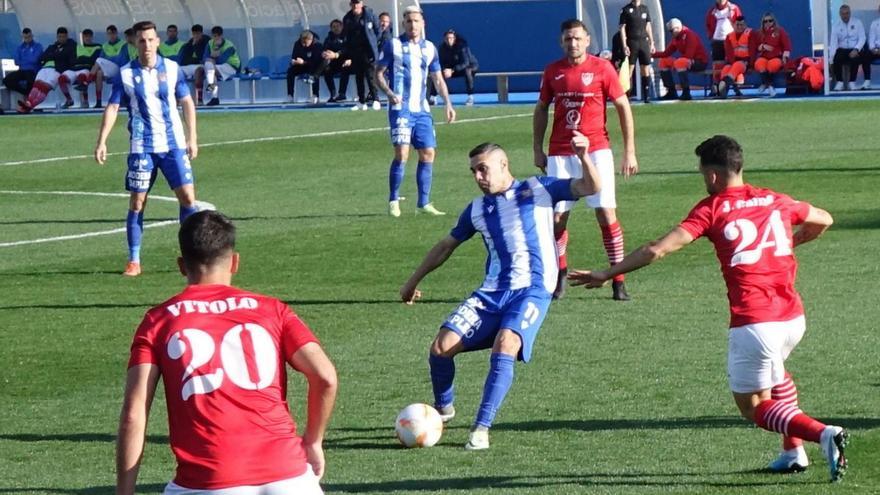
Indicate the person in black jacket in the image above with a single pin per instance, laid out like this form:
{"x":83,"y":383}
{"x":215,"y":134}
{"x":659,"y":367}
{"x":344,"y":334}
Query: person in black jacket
{"x":191,"y":59}
{"x":457,"y":60}
{"x":305,"y":62}
{"x":361,"y":28}
{"x":335,"y":62}
{"x":58,"y":57}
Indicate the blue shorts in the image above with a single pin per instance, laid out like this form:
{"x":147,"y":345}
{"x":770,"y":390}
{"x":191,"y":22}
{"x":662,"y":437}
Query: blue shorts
{"x":142,"y":168}
{"x":412,"y":129}
{"x":479,"y":319}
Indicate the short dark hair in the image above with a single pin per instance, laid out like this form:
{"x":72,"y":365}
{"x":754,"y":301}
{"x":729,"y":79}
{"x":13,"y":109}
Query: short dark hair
{"x":88,"y":32}
{"x":720,"y":152}
{"x":386,"y":14}
{"x":26,"y":31}
{"x":128,"y":32}
{"x":197,"y":28}
{"x":144,"y":26}
{"x":335,"y":21}
{"x":171,"y":26}
{"x":482,"y":148}
{"x":112,"y":28}
{"x":205,"y":237}
{"x":217,"y":30}
{"x":572,"y":24}
{"x":61,"y":30}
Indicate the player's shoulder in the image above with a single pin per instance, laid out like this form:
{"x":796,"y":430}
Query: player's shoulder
{"x":170,"y":64}
{"x":556,"y":65}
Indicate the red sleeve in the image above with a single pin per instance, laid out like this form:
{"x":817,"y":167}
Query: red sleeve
{"x":798,"y":210}
{"x":710,"y":22}
{"x":692,"y":47}
{"x":546,"y":90}
{"x":142,"y":350}
{"x":294,"y":332}
{"x":737,"y":12}
{"x":612,"y":83}
{"x":698,"y":220}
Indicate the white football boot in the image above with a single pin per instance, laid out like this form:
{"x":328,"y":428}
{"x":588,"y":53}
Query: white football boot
{"x":394,"y":208}
{"x":790,"y":461}
{"x":477,"y":440}
{"x":833,"y":441}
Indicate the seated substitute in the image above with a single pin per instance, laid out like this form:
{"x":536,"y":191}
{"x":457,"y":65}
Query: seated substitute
{"x":230,"y":425}
{"x":221,"y":63}
{"x":113,"y":56}
{"x":847,"y":40}
{"x":772,"y":49}
{"x":86,"y":55}
{"x":305,"y":63}
{"x":693,"y":59}
{"x":171,"y":46}
{"x":515,"y":220}
{"x":57,"y":58}
{"x":191,"y":55}
{"x":457,"y":60}
{"x":335,"y":63}
{"x":27,"y":58}
{"x":871,"y":52}
{"x":738,"y":55}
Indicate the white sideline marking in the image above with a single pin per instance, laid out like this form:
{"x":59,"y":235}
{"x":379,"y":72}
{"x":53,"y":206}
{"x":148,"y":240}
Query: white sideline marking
{"x":261,"y":140}
{"x":201,"y":204}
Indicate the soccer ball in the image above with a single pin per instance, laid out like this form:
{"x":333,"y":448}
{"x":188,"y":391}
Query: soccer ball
{"x":418,"y":425}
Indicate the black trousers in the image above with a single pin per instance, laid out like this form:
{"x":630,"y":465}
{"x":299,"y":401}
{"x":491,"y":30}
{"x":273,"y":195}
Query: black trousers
{"x":20,"y":81}
{"x":362,"y":68}
{"x":331,"y":69}
{"x":295,"y":71}
{"x":468,"y":75}
{"x":868,"y":57}
{"x":841,"y":59}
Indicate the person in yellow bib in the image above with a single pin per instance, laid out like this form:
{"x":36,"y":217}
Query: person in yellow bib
{"x":221,"y":63}
{"x":171,"y":47}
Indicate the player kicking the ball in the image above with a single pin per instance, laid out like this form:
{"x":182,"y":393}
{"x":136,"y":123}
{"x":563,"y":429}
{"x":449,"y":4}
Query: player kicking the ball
{"x":751,"y":229}
{"x":515,"y":219}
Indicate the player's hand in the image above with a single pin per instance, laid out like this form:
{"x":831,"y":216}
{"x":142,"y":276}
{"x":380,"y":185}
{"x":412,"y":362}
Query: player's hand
{"x":587,"y":278}
{"x":626,"y":50}
{"x":629,"y":166}
{"x":394,"y":99}
{"x":298,"y":61}
{"x":101,"y":153}
{"x":347,"y":63}
{"x":410,"y":295}
{"x":447,"y":73}
{"x":328,"y":55}
{"x":315,"y":458}
{"x":854,"y":54}
{"x":192,"y":150}
{"x":580,"y":144}
{"x":541,"y":160}
{"x":450,"y":113}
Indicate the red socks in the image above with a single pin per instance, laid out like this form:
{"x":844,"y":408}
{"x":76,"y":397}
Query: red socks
{"x":787,"y":392}
{"x":38,"y":94}
{"x":780,"y":417}
{"x":612,"y":238}
{"x":562,"y":248}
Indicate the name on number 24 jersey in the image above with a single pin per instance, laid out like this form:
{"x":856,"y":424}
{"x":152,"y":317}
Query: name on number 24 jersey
{"x":751,"y":229}
{"x":222,"y":353}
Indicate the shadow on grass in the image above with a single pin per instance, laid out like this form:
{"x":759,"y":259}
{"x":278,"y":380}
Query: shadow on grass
{"x":800,"y":170}
{"x":292,"y":302}
{"x":308,"y":216}
{"x":699,"y":422}
{"x":870,"y":221}
{"x":81,"y":221}
{"x":115,"y":273}
{"x":92,"y":490}
{"x":73,"y":437}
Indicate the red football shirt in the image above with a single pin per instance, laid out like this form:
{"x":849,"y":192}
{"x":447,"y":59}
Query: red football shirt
{"x":580,"y":92}
{"x":751,"y":230}
{"x":222,"y":354}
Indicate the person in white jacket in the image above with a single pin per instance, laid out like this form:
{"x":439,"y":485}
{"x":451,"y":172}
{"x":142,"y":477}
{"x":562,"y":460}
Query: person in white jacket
{"x":847,"y":40}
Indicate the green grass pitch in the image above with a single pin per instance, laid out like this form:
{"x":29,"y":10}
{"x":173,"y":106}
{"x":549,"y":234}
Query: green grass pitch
{"x":625,"y":398}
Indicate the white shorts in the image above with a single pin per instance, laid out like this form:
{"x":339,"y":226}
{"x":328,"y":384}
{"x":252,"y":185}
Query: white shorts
{"x":190,"y":70}
{"x":71,"y":75}
{"x":569,"y":166}
{"x":49,"y":76}
{"x":756,"y":353}
{"x":304,"y":484}
{"x":225,"y":71}
{"x":108,"y":67}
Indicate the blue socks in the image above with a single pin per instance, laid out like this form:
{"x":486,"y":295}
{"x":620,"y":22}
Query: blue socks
{"x":186,"y":211}
{"x":497,"y":384}
{"x":395,"y":178}
{"x":442,"y":374}
{"x":424,"y":173}
{"x":134,"y":230}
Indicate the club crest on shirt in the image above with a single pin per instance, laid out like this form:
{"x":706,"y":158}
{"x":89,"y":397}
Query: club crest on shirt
{"x":490,"y":209}
{"x":586,"y":78}
{"x":137,"y":79}
{"x":163,"y":77}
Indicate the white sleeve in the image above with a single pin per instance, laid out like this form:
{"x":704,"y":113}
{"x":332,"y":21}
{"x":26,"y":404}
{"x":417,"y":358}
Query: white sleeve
{"x":874,"y":42}
{"x":833,"y":39}
{"x":860,"y":28}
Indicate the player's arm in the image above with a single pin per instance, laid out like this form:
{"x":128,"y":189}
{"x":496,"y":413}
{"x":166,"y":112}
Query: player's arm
{"x":140,"y":387}
{"x":435,"y":257}
{"x":540,"y":117}
{"x":676,"y":239}
{"x":311,"y":361}
{"x":816,"y":223}
{"x":650,"y":32}
{"x":622,"y":30}
{"x":440,"y":84}
{"x":629,"y":166}
{"x":189,"y":116}
{"x":108,"y":120}
{"x":382,"y":84}
{"x":589,"y":183}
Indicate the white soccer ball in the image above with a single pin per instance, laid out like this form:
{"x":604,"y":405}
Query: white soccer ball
{"x":418,"y":425}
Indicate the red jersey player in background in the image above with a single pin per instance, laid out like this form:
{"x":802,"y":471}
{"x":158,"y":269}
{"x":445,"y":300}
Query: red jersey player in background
{"x":579,"y":85}
{"x":751,"y":229}
{"x":221,"y":353}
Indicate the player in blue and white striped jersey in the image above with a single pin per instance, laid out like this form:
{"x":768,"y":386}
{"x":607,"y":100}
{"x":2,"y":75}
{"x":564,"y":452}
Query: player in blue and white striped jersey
{"x":151,"y":86}
{"x":515,"y":219}
{"x":410,"y":59}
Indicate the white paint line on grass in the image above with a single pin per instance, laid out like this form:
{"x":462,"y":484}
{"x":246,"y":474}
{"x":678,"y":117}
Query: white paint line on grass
{"x":201,"y":204}
{"x":260,"y":140}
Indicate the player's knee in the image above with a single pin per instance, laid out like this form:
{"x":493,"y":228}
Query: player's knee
{"x":508,"y":342}
{"x":682,"y":64}
{"x":426,"y":155}
{"x":774,"y":65}
{"x":442,"y":349}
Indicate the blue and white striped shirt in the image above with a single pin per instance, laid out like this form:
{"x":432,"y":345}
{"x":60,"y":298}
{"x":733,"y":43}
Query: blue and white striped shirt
{"x":410,"y":65}
{"x":517,"y":230}
{"x":151,"y":98}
